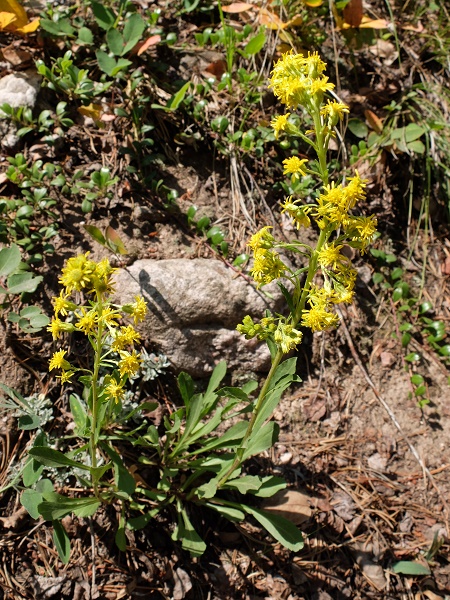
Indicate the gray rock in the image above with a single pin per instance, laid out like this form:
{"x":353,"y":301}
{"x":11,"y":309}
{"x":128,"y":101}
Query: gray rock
{"x":19,"y":89}
{"x":16,"y":89}
{"x":194,"y":307}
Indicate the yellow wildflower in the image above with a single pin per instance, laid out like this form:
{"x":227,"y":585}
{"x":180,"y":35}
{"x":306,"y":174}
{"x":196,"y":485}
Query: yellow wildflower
{"x":138,"y":309}
{"x":109,"y":316}
{"x":297,"y":213}
{"x":115,"y":390}
{"x":267,"y":266}
{"x":65,"y":376}
{"x":87,"y":321}
{"x":62,"y":305}
{"x":261,"y":239}
{"x":58,"y":361}
{"x":318,"y":319}
{"x":280,"y":123}
{"x":295,"y":166}
{"x":78,"y":273}
{"x":330,"y":256}
{"x":287,"y":337}
{"x":129,"y":363}
{"x":102,"y":277}
{"x":56,"y":328}
{"x":333,"y":112}
{"x":321,"y":85}
{"x":127,"y":336}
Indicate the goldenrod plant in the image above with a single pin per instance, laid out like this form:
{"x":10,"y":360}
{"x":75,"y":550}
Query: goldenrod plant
{"x":199,"y":449}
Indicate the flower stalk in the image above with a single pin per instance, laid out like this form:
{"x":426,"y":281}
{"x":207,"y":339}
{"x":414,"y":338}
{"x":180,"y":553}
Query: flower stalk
{"x":299,"y":81}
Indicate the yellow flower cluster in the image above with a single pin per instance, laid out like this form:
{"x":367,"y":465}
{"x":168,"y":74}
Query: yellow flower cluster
{"x":297,"y":79}
{"x":98,"y":320}
{"x":300,"y":80}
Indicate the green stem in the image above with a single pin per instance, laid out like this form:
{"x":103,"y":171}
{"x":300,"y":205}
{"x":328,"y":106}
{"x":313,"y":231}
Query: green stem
{"x":321,"y":147}
{"x":93,"y":437}
{"x":262,"y":394}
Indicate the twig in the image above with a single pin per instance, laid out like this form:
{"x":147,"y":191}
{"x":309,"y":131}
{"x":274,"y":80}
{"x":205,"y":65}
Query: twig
{"x":91,"y":527}
{"x":388,"y":409}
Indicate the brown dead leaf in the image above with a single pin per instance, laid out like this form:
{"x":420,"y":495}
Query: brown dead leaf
{"x":343,"y":505}
{"x":417,"y":28}
{"x":314,"y":409}
{"x":151,"y":41}
{"x":270,"y":19}
{"x":373,"y":23}
{"x":183,"y":584}
{"x":217,"y":68}
{"x":375,"y":122}
{"x":290,"y":504}
{"x":16,"y":56}
{"x":237,"y":7}
{"x":353,"y":13}
{"x":445,"y":267}
{"x":13,"y":520}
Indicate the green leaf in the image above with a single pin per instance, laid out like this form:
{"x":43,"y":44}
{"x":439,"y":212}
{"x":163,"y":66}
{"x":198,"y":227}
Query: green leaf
{"x":270,"y":486}
{"x":282,"y":379}
{"x":114,"y":242}
{"x":280,"y":528}
{"x":420,"y":391}
{"x":240,"y":260}
{"x":186,"y":387}
{"x":230,"y":439}
{"x":178,"y":98}
{"x":104,"y":16}
{"x":132,"y":32}
{"x":19,"y":283}
{"x":59,"y":28}
{"x":194,"y":410}
{"x":358,"y":128}
{"x":244,"y":484}
{"x":406,"y":338}
{"x":9,"y":260}
{"x":107,"y":64}
{"x":233,"y":392}
{"x":32,"y":472}
{"x":409,"y":567}
{"x":417,"y":379}
{"x":262,"y":439}
{"x":28,"y":422}
{"x":124,"y":480}
{"x":120,"y":537}
{"x":413,"y":132}
{"x":216,"y":377}
{"x":148,"y":406}
{"x":54,"y":458}
{"x":85,"y":36}
{"x":61,"y":541}
{"x":115,"y":41}
{"x":185,"y":532}
{"x":230,"y":513}
{"x":95,"y":233}
{"x":255,"y":44}
{"x":412,"y":357}
{"x":425,"y":307}
{"x":79,"y":414}
{"x":63,"y":506}
{"x":140,"y":522}
{"x":417,"y":146}
{"x":30,"y":500}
